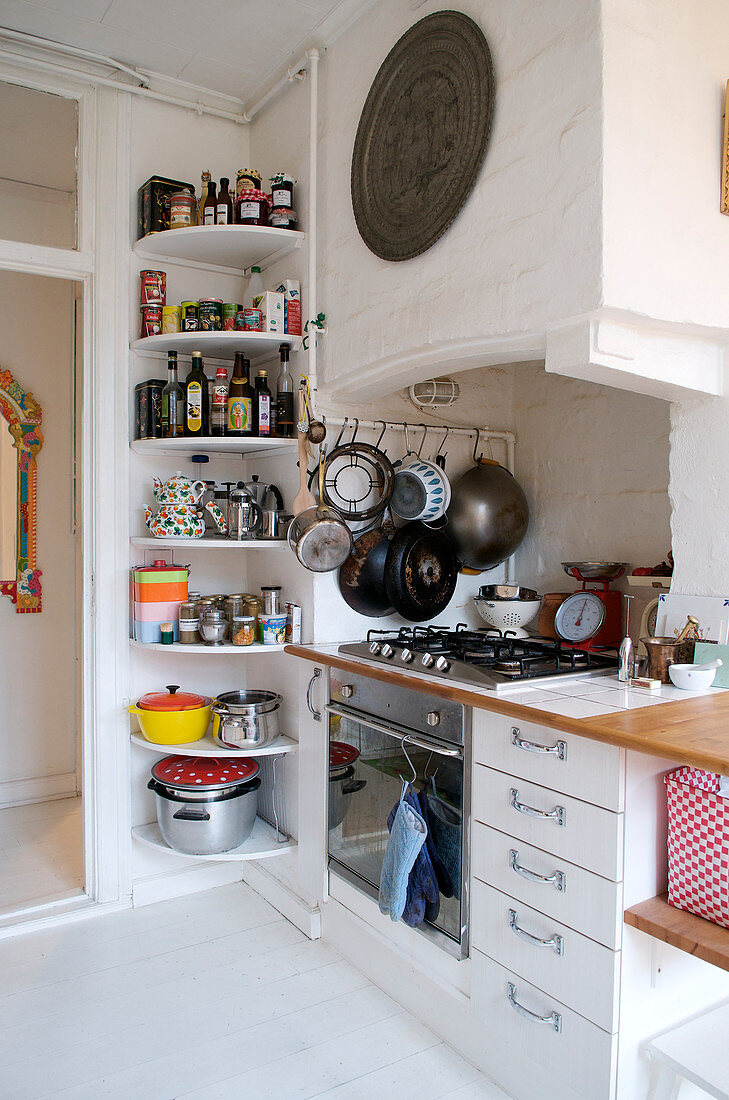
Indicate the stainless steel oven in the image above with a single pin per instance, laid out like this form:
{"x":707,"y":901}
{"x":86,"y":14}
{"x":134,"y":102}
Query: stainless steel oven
{"x":380,"y":734}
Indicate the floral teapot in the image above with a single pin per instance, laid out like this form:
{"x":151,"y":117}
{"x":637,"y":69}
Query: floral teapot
{"x":178,"y":515}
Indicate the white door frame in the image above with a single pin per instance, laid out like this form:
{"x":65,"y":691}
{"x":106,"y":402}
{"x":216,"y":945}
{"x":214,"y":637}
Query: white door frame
{"x":101,"y":265}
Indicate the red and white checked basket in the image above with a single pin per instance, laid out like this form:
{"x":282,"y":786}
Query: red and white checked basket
{"x":698,"y":844}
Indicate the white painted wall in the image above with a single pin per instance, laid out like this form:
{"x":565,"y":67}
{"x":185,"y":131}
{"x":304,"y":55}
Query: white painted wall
{"x":38,"y":658}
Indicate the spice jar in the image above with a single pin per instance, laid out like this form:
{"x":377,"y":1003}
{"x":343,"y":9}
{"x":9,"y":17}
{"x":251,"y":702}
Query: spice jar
{"x":271,"y":596}
{"x":247,"y":179}
{"x":189,"y":622}
{"x":251,"y":208}
{"x":282,"y":189}
{"x":235,"y":606}
{"x":243,"y":630}
{"x":183,"y":210}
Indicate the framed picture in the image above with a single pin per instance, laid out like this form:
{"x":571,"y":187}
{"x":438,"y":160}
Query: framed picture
{"x":724,"y":205}
{"x":711,"y":611}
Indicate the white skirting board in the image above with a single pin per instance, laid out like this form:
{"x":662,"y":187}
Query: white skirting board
{"x":288,"y":904}
{"x":190,"y":880}
{"x":46,"y":788}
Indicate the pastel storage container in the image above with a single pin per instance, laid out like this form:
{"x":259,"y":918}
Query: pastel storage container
{"x":151,"y":631}
{"x":160,"y":583}
{"x":273,"y":629}
{"x":698,"y":844}
{"x":157,"y":612}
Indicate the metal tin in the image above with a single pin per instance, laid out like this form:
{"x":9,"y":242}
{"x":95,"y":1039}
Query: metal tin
{"x":230,"y":312}
{"x":152,"y":288}
{"x":148,"y":409}
{"x":151,"y":321}
{"x":171,"y":318}
{"x":210,"y":315}
{"x":249,"y":320}
{"x":293,"y":623}
{"x":271,"y":597}
{"x":189,"y":320}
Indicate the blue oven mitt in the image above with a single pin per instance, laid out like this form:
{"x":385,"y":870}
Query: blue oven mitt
{"x":441,"y":871}
{"x":423,"y":896}
{"x":407,"y":837}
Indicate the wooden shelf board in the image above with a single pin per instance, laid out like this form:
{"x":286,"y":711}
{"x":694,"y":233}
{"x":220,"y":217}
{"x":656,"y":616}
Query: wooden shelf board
{"x":204,"y":543}
{"x":208,"y":747}
{"x":219,"y":445}
{"x":216,"y":650}
{"x":261,"y":844}
{"x":687,"y":932}
{"x":228,"y":248}
{"x":216,"y":345}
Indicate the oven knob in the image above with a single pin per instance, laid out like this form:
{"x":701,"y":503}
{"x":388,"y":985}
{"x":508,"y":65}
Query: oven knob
{"x":406,"y":655}
{"x":442,"y":665}
{"x":427,"y":659}
{"x":374,"y":648}
{"x":387,"y":650}
{"x":347,"y":691}
{"x":432,"y":718}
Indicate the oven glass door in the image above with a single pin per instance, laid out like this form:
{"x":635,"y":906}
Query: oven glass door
{"x":367,"y":761}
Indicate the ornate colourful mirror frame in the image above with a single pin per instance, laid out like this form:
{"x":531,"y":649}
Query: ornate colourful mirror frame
{"x":23,"y":415}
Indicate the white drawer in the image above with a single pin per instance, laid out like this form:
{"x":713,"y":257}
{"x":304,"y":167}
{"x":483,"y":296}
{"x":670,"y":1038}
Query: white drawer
{"x":583,"y":768}
{"x":584,"y":834}
{"x":571,"y":967}
{"x":587,"y":902}
{"x":578,"y":1060}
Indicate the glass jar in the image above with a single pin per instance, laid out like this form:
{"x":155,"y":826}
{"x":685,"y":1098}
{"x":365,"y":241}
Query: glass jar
{"x":247,"y":179}
{"x":235,"y":606}
{"x":189,"y":622}
{"x":243,"y":630}
{"x":251,"y":208}
{"x":271,"y":597}
{"x":183,"y":210}
{"x":282,"y":217}
{"x":282,"y":189}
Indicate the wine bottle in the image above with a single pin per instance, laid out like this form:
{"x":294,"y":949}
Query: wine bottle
{"x":285,"y":397}
{"x":173,"y":401}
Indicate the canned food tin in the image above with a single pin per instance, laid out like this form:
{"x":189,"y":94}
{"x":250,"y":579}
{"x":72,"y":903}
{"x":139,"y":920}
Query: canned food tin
{"x":183,"y":210}
{"x":230,"y":309}
{"x":148,"y":409}
{"x":210,"y":315}
{"x":250,"y":320}
{"x":152,"y":288}
{"x":189,"y":320}
{"x":171,"y":318}
{"x":151,"y":320}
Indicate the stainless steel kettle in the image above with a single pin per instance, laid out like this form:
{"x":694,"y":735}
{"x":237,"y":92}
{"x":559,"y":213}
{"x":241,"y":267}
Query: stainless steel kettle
{"x":272,"y":519}
{"x":244,"y":515}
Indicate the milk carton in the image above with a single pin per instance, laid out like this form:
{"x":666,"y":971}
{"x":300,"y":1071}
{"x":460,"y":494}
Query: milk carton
{"x":291,"y":290}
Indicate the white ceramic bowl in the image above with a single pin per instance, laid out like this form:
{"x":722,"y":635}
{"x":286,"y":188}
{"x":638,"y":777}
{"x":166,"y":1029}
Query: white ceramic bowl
{"x":690,"y":678}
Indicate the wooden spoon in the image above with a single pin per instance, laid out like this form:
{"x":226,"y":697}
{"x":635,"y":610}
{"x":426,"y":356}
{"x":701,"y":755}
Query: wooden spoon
{"x":303,"y":498}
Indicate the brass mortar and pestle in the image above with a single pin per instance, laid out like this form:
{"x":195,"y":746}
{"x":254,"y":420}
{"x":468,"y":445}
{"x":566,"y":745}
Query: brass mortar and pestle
{"x":664,"y":652}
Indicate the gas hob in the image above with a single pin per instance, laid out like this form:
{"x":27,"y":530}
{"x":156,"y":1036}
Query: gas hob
{"x":482,"y":658}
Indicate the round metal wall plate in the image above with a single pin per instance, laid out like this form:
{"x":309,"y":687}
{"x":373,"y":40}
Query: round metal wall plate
{"x":423,"y":135}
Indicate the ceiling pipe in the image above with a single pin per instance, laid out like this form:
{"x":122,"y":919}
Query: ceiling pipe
{"x":73,"y":51}
{"x":294,"y":72}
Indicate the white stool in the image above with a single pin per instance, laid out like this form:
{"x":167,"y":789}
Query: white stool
{"x":697,"y":1051}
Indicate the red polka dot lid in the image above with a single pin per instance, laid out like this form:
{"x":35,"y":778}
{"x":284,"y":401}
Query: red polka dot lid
{"x":212,"y":772}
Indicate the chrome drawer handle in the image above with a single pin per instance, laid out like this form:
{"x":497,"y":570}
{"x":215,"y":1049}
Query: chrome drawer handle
{"x":558,"y":814}
{"x":559,"y":750}
{"x":558,"y":879}
{"x":315,"y":713}
{"x":554,"y":1019}
{"x":555,"y":942}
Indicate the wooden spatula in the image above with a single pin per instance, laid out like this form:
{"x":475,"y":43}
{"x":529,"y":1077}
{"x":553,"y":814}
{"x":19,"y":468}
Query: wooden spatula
{"x":303,"y":498}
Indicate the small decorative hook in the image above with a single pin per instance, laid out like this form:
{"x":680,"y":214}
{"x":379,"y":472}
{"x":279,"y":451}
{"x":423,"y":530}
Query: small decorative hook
{"x":422,"y":441}
{"x":356,"y":429}
{"x":443,"y":441}
{"x":341,"y":432}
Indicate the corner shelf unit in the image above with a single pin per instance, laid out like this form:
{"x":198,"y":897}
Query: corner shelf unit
{"x":263,"y":843}
{"x":251,"y":447}
{"x":206,"y":746}
{"x":151,"y":543}
{"x":230,"y":249}
{"x":212,"y":650}
{"x":215,"y":345}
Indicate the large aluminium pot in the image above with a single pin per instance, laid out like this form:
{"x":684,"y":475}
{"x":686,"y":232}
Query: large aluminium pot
{"x":488,"y":515}
{"x":342,"y":784}
{"x":246,"y":719}
{"x":205,"y":805}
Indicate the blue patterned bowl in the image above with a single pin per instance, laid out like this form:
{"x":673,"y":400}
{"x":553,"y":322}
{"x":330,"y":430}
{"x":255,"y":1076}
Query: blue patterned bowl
{"x":421,"y":491}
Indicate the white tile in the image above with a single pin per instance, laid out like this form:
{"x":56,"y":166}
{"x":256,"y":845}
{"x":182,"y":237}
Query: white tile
{"x":529,"y":697}
{"x":580,"y":688}
{"x":575,"y":708}
{"x":627,"y":699}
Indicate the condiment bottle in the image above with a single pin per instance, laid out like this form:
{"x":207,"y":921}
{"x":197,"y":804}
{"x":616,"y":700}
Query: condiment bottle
{"x":224,"y":207}
{"x":262,"y":418}
{"x":254,"y":291}
{"x":173,"y":401}
{"x":211,"y":202}
{"x":285,"y":397}
{"x":240,"y":400}
{"x":197,"y":399}
{"x":220,"y":402}
{"x":204,"y":181}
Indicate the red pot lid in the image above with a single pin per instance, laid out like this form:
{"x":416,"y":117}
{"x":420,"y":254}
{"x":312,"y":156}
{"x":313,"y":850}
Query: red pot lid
{"x":193,"y":772}
{"x":341,"y":755}
{"x":172,"y":700}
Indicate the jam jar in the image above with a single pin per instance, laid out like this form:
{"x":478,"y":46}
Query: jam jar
{"x":282,"y":217}
{"x":247,"y":179}
{"x":183,"y":210}
{"x":282,"y":190}
{"x":251,"y":208}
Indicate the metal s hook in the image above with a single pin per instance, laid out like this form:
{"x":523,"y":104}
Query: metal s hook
{"x":382,"y":434}
{"x":407,"y":757}
{"x":356,"y":429}
{"x":443,"y":442}
{"x":475,"y":446}
{"x":341,"y":432}
{"x":422,"y":441}
{"x":407,"y":441}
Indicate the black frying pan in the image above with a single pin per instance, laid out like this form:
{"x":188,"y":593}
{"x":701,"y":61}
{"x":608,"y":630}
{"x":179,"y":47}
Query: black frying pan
{"x":362,"y":576}
{"x":420,"y":572}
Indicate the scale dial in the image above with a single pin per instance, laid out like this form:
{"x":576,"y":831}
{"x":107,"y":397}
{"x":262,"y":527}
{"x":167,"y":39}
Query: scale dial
{"x":579,"y":617}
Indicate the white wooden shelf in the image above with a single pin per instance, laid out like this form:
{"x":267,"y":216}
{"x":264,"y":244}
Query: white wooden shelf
{"x":227,"y":248}
{"x":218,"y":445}
{"x":208,"y":747}
{"x":216,"y":345}
{"x":219,"y":650}
{"x":660,"y":583}
{"x":261,"y":844}
{"x":151,"y":543}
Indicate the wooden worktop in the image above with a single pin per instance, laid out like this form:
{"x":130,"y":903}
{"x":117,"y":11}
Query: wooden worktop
{"x":693,"y":731}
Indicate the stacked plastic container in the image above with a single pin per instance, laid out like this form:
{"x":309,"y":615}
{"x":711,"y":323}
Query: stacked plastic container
{"x":159,"y":589}
{"x":698,"y":844}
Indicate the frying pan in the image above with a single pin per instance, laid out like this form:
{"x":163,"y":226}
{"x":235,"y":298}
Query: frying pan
{"x":420,"y":572}
{"x":362,"y":577}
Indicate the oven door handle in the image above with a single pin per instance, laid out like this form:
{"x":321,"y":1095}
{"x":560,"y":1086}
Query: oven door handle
{"x":410,"y":738}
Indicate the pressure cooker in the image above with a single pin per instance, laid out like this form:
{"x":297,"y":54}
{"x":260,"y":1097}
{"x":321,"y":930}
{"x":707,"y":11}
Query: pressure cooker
{"x":342,"y":784}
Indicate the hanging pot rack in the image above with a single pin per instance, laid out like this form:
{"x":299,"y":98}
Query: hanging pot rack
{"x":383,"y":426}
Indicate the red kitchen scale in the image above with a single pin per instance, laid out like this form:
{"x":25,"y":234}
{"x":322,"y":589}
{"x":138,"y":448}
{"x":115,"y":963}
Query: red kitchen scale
{"x":592,"y":616}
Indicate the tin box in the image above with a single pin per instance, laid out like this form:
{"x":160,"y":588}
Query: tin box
{"x":153,"y":210}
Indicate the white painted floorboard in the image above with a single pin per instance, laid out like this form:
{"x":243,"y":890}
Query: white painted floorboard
{"x":41,"y":852}
{"x":211,"y":997}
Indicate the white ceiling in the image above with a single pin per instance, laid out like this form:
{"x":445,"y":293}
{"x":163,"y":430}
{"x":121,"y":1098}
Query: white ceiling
{"x":228,"y":46}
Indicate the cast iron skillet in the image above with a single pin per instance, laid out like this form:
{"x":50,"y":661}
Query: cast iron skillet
{"x":362,"y":577}
{"x":421,"y":570}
